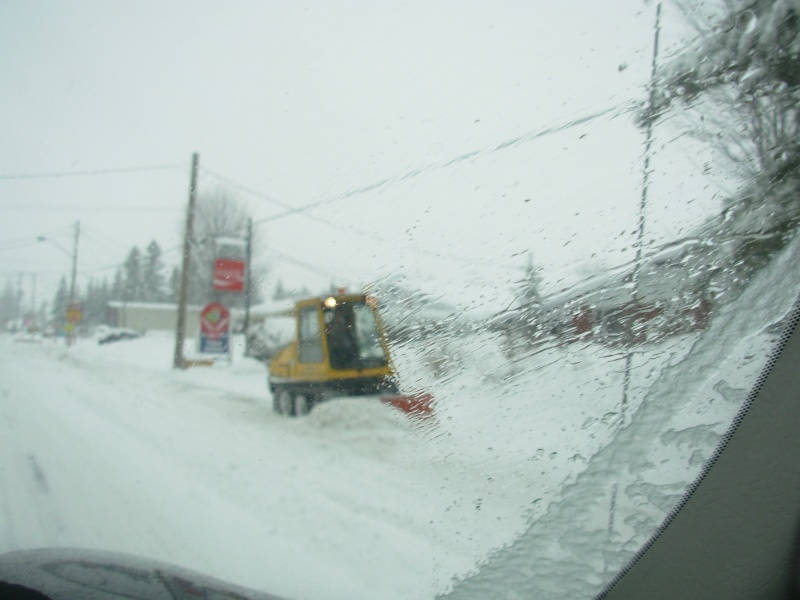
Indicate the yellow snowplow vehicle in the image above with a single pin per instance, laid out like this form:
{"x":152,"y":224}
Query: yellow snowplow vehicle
{"x":340,"y":349}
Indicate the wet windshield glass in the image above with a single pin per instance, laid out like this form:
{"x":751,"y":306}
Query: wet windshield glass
{"x":366,"y":330}
{"x":353,"y":338}
{"x":578,"y":222}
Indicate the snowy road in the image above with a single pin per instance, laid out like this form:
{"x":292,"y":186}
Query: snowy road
{"x":106,"y":447}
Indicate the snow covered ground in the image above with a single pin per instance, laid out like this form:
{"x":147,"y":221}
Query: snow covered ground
{"x":689,"y":392}
{"x":107,"y":447}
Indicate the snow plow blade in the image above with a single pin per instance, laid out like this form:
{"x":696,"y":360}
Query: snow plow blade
{"x":418,"y":404}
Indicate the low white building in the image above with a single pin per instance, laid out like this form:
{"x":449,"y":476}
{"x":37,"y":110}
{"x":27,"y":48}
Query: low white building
{"x":147,"y":316}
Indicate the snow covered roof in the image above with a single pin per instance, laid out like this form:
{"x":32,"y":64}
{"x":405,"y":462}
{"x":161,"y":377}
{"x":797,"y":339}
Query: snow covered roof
{"x":273,"y":308}
{"x":148,"y":305}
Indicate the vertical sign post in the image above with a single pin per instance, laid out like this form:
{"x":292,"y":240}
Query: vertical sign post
{"x":215,"y":323}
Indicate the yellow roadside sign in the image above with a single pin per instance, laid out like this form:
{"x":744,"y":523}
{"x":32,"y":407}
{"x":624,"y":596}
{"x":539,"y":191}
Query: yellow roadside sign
{"x":74,"y":314}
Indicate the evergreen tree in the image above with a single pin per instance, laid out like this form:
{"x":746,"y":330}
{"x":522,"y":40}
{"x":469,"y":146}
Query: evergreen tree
{"x":529,"y":299}
{"x":43,"y":317}
{"x":153,"y":274}
{"x":174,"y":285}
{"x":104,"y":297}
{"x":742,"y":83}
{"x":133,"y":289}
{"x":60,"y":301}
{"x":117,"y":291}
{"x":9,"y":304}
{"x":95,"y":303}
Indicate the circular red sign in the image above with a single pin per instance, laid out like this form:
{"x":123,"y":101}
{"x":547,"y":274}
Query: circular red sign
{"x":214,"y":320}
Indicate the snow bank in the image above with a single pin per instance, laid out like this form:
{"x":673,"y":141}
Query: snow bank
{"x":629,"y":485}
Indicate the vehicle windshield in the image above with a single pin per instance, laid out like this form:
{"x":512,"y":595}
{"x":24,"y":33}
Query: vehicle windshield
{"x":577,"y":220}
{"x":353,"y":338}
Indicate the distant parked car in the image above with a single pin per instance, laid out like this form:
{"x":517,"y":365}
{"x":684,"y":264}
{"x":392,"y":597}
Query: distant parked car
{"x":117,"y":335}
{"x":31,"y":335}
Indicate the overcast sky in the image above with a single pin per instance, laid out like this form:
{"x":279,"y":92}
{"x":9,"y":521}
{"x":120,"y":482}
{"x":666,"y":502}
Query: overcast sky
{"x":310,"y":102}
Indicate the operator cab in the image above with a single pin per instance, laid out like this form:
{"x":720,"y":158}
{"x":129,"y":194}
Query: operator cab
{"x":352,"y":335}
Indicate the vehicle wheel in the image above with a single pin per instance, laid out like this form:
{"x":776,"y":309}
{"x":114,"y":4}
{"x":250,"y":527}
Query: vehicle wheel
{"x":302,"y":406}
{"x":284,"y":401}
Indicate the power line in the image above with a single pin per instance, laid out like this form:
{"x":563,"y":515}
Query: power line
{"x":245,"y":189}
{"x":38,"y":271}
{"x":305,"y":265}
{"x":27,"y":264}
{"x":103,"y":238}
{"x":287,"y":206}
{"x":99,"y":269}
{"x":92,"y":248}
{"x":340,"y":227}
{"x":118,"y":171}
{"x":172,"y":250}
{"x":335,"y":226}
{"x":41,"y":207}
{"x":18,"y":245}
{"x":30,"y":238}
{"x":614,"y":111}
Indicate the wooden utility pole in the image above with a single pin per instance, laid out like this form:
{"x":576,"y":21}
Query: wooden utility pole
{"x":71,"y":307}
{"x":18,"y":312}
{"x":648,"y":146}
{"x":180,"y":330}
{"x":248,"y":279}
{"x":648,"y":150}
{"x":34,"y":314}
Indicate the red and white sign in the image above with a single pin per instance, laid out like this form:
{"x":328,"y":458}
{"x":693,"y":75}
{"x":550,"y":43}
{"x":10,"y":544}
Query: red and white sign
{"x":74,"y":313}
{"x":228,"y":275}
{"x":214,"y":321}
